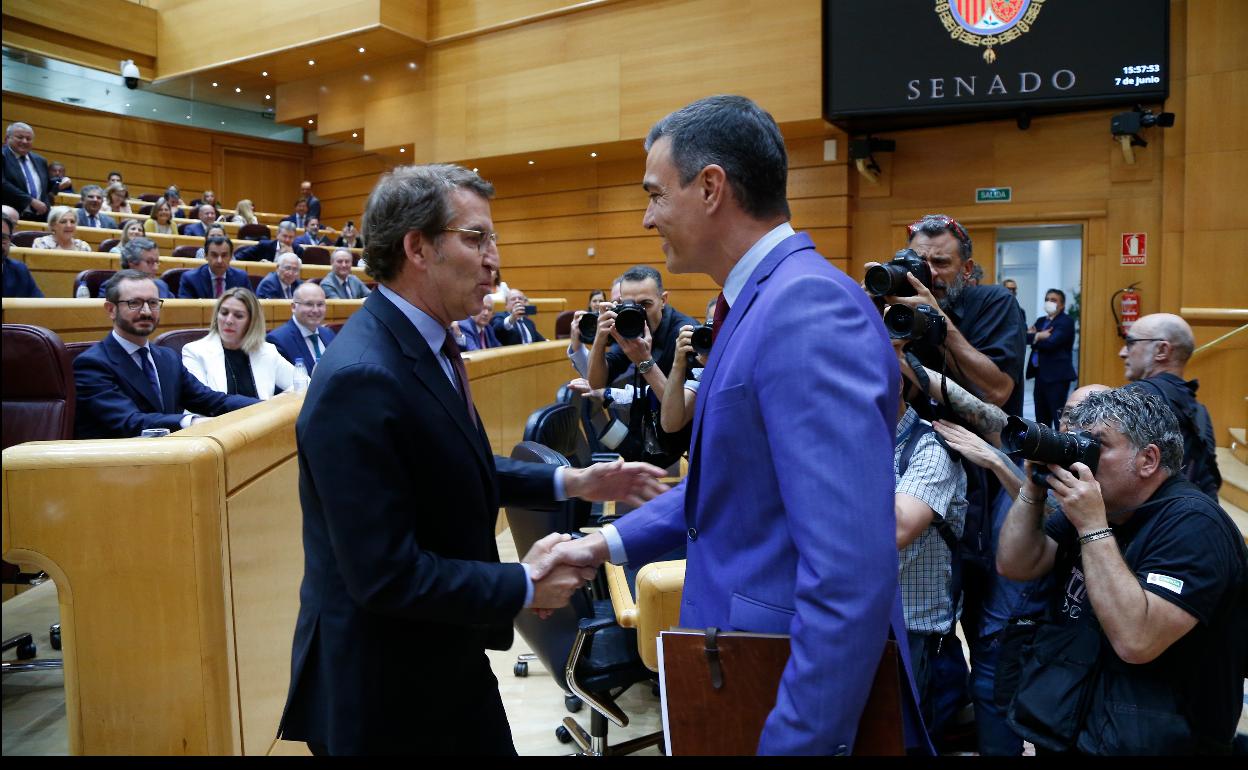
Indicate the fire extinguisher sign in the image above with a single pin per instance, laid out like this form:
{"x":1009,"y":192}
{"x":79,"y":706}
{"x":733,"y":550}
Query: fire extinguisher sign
{"x":1134,"y":248}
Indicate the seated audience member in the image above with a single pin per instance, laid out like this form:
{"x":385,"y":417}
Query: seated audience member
{"x":130,"y":229}
{"x":17,"y":279}
{"x":207,"y":215}
{"x":340,"y":283}
{"x":282,"y":282}
{"x":216,"y":229}
{"x":235,"y":358}
{"x":511,"y":327}
{"x":116,"y":199}
{"x":114,"y":177}
{"x":244,"y":214}
{"x":89,"y":215}
{"x":208,"y":197}
{"x":1147,"y":638}
{"x":303,"y":336}
{"x":174,"y":198}
{"x":478,"y":333}
{"x":143,"y":255}
{"x":126,"y":385}
{"x":211,"y":280}
{"x":314,"y":203}
{"x":350,"y":237}
{"x":312,"y":234}
{"x":269,"y":250}
{"x":300,"y":217}
{"x":161,"y":220}
{"x":63,"y":222}
{"x":60,"y":181}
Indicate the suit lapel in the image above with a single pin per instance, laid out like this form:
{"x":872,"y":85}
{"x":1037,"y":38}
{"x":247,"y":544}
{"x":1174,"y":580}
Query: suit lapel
{"x":129,"y":371}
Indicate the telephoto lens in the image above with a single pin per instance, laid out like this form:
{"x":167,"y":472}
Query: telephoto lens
{"x":588,"y":328}
{"x":701,"y":338}
{"x":1041,"y":444}
{"x":630,"y":320}
{"x":922,"y":324}
{"x":889,"y":279}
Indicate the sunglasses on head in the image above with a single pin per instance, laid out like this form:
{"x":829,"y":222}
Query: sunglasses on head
{"x":959,"y":231}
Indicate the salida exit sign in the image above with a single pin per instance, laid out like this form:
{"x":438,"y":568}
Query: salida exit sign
{"x":993,"y":194}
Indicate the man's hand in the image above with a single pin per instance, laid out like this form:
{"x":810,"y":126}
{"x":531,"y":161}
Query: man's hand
{"x":684,"y":346}
{"x":543,"y":561}
{"x":633,"y":483}
{"x":556,"y":587}
{"x":581,"y":386}
{"x":966,"y":443}
{"x":38,"y":206}
{"x":574,"y":339}
{"x":517,"y":310}
{"x":585,"y":553}
{"x":638,"y":348}
{"x":923,"y":297}
{"x":1080,"y":497}
{"x":64,"y":183}
{"x":1044,"y":335}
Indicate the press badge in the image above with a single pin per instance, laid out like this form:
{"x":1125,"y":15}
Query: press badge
{"x":1166,"y":582}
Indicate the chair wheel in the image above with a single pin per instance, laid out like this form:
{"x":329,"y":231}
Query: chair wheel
{"x":26,"y":651}
{"x":521,"y":668}
{"x":572,"y":703}
{"x":563,"y":735}
{"x":54,"y":634}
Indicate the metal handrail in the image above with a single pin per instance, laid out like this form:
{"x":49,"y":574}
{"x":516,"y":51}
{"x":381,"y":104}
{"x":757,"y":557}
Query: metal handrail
{"x":1223,"y":338}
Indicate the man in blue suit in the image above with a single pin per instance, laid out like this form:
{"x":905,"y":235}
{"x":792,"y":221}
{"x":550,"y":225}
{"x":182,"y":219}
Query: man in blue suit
{"x":303,"y":336}
{"x":211,"y":280}
{"x":269,"y":250}
{"x":125,"y":385}
{"x":787,"y":510}
{"x":1052,"y":337}
{"x":89,"y":215}
{"x":206,"y":213}
{"x":478,"y":332}
{"x":282,"y":282}
{"x":27,"y":186}
{"x":17,"y":279}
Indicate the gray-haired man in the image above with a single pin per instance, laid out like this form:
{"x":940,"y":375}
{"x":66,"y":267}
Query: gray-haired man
{"x":143,"y":254}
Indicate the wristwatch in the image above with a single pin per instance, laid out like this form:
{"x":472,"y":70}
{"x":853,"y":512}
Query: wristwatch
{"x":646,"y":365}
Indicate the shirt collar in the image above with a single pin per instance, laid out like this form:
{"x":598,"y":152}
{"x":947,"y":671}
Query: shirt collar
{"x":428,"y":326}
{"x":305,"y":331}
{"x":906,"y":423}
{"x":744,"y":268}
{"x":126,"y":344}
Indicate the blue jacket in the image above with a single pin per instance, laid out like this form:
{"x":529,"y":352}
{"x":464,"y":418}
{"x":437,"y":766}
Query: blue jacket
{"x":195,"y":228}
{"x":288,"y":339}
{"x":18,"y":282}
{"x":105,"y":220}
{"x":271,"y":287}
{"x":473,"y":341}
{"x":1050,"y":359}
{"x":116,"y":400}
{"x":197,"y":284}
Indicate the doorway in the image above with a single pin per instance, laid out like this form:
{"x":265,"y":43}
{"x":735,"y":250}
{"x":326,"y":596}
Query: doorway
{"x":1040,"y":258}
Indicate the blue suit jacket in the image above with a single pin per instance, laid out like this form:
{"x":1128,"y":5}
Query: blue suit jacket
{"x":513,"y":337}
{"x":1051,"y":357}
{"x":15,"y":192}
{"x":288,"y":339}
{"x":271,"y":287}
{"x":197,"y":284}
{"x":472,"y":342}
{"x":265,"y":251}
{"x":195,"y":228}
{"x":789,"y":495}
{"x":18,"y":282}
{"x":105,"y":220}
{"x":115,"y":399}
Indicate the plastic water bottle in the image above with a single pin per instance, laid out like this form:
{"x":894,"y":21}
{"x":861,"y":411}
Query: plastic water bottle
{"x":82,"y":292}
{"x":300,"y":380}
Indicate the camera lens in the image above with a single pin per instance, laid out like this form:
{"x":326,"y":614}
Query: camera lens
{"x":630,"y":321}
{"x":588,"y":328}
{"x":888,"y":280}
{"x":701,"y":339}
{"x":1041,"y":444}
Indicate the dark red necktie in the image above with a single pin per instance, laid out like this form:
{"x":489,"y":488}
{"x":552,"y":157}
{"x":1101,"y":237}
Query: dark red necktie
{"x":451,"y":350}
{"x":721,"y":316}
{"x":482,"y":333}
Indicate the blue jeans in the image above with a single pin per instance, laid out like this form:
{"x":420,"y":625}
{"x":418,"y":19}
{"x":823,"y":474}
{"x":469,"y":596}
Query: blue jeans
{"x":995,"y":736}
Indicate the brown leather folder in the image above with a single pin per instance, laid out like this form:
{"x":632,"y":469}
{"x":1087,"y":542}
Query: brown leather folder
{"x":719,"y":687}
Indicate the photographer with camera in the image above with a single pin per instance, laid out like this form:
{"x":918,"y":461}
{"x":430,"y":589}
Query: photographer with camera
{"x":643,"y":328}
{"x":584,"y":327}
{"x":1144,"y":649}
{"x":512,"y":326}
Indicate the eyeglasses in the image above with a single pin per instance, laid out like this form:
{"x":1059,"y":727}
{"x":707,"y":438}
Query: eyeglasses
{"x":136,"y":305}
{"x":942,"y":220}
{"x":1128,"y":341}
{"x":484,"y":239}
{"x":317,"y":305}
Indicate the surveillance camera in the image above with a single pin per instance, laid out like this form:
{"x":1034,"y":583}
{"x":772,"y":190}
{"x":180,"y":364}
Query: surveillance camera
{"x":130,"y":74}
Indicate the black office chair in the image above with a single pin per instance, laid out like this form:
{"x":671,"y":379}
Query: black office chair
{"x":581,"y":645}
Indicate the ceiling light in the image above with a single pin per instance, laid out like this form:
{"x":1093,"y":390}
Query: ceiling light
{"x":268,"y":96}
{"x":223,"y":122}
{"x":361,"y":49}
{"x":354,"y":135}
{"x":238,"y":90}
{"x":153,"y":109}
{"x":593,"y":155}
{"x":309,"y":121}
{"x":311,"y":62}
{"x":411,"y":65}
{"x":365,"y":77}
{"x":402,"y":149}
{"x":127,"y":104}
{"x":214,"y":84}
{"x":474,"y":169}
{"x":532,"y":162}
{"x":188,"y":117}
{"x":264,"y":74}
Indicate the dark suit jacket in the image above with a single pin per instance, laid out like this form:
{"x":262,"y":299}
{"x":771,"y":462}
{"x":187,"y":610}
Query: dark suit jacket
{"x":288,"y":339}
{"x":105,"y":220}
{"x":513,"y":337}
{"x":196,"y":228}
{"x":18,"y":282}
{"x":16,"y":193}
{"x":402,"y":588}
{"x":473,"y":341}
{"x":197,"y":284}
{"x":1050,"y":360}
{"x":115,"y":399}
{"x":306,"y":240}
{"x":314,"y":206}
{"x":271,"y":287}
{"x":265,"y":251}
{"x":161,"y":286}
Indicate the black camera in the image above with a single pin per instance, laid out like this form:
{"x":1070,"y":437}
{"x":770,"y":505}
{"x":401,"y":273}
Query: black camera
{"x":1041,"y":444}
{"x":702,"y":337}
{"x":889,"y":279}
{"x":630,"y":320}
{"x":588,"y":328}
{"x":923,"y":324}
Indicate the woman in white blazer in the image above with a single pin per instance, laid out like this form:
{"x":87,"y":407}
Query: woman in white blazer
{"x":234,"y":358}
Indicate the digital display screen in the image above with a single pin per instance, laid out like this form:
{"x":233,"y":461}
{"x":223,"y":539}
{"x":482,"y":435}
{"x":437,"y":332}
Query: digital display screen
{"x":903,"y":63}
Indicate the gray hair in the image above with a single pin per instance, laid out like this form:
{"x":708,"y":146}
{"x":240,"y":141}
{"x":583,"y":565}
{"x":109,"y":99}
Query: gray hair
{"x":288,"y":256}
{"x":933,"y":225}
{"x":15,"y":126}
{"x":86,"y":188}
{"x":1142,"y":418}
{"x":285,"y":225}
{"x":340,"y":250}
{"x":412,"y":198}
{"x":740,"y":137}
{"x":112,"y":287}
{"x":133,"y":250}
{"x":641,"y":273}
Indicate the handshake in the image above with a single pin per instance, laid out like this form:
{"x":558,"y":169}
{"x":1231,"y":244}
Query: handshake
{"x":559,"y":566}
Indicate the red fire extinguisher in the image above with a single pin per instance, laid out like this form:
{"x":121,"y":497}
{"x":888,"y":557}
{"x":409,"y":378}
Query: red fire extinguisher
{"x":1126,"y":308}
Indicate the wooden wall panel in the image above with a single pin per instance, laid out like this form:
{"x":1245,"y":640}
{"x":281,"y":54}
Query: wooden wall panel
{"x":270,"y":181}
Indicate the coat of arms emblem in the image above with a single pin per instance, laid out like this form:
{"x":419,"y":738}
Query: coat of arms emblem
{"x":988,"y":23}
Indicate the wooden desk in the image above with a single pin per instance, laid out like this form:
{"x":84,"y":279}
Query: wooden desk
{"x":97,"y":235}
{"x":177,"y":563}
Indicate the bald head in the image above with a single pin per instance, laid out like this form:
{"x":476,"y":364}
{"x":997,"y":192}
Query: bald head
{"x":1159,"y":342}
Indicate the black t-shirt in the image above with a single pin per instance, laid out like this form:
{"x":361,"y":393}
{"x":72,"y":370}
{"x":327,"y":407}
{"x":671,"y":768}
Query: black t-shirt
{"x":1186,"y":550}
{"x":993,"y":323}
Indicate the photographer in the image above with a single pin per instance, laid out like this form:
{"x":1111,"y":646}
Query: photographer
{"x":1144,"y":652}
{"x":578,"y":346}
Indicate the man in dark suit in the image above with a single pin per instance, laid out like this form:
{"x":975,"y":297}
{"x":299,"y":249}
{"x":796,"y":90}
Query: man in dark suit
{"x":125,"y":385}
{"x":303,"y":337}
{"x":511,"y":327}
{"x":207,"y":214}
{"x":478,"y":333}
{"x":17,"y":279}
{"x":340,"y":283}
{"x":300,"y":217}
{"x":1052,"y":338}
{"x":27,"y":186}
{"x":312,"y":234}
{"x":314,"y":203}
{"x":211,"y":280}
{"x":89,"y":215}
{"x":269,"y":250}
{"x":282,"y":282}
{"x":402,"y":589}
{"x":142,"y":254}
